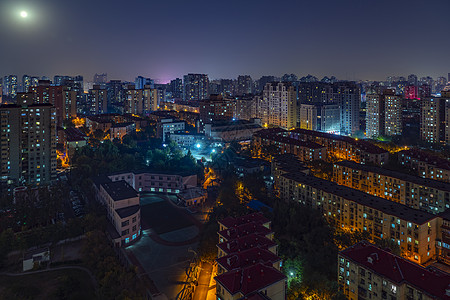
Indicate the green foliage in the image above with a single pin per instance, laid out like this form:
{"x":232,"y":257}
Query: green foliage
{"x":115,"y":281}
{"x":305,"y":242}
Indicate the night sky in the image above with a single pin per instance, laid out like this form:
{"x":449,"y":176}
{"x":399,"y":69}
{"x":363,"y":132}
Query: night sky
{"x":351,"y":39}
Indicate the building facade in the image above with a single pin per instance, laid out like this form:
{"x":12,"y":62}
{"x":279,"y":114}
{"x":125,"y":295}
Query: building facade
{"x":414,"y":231}
{"x":420,"y":193}
{"x":366,"y":271}
{"x":28,"y":143}
{"x":195,"y":87}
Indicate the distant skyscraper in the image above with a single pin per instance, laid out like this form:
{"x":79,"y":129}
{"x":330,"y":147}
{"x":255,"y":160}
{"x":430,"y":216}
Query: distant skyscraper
{"x":261,"y":83}
{"x":29,"y":152}
{"x":244,"y":85}
{"x":26,"y":83}
{"x":100,"y":79}
{"x":115,"y":91}
{"x":10,"y":86}
{"x":348,"y":96}
{"x":176,"y":88}
{"x":61,"y":97}
{"x":289,"y":78}
{"x":278,"y":105}
{"x":97,"y":100}
{"x":140,"y":101}
{"x":320,"y":117}
{"x":412,"y":80}
{"x":140,"y":82}
{"x":226,"y":87}
{"x":196,"y":87}
{"x":432,"y":126}
{"x":411,"y":92}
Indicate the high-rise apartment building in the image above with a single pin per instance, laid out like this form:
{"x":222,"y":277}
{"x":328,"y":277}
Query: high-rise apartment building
{"x":412,"y":80}
{"x":216,"y":108}
{"x":97,"y":100}
{"x":320,"y":117}
{"x":63,"y":98}
{"x":384,"y":114}
{"x":28,"y":142}
{"x":196,"y":87}
{"x":10,"y":86}
{"x":244,"y":85}
{"x":278,"y":105}
{"x":348,"y":96}
{"x":176,"y":88}
{"x":26,"y":83}
{"x":140,"y":101}
{"x":433,"y":123}
{"x":140,"y":82}
{"x":100,"y":79}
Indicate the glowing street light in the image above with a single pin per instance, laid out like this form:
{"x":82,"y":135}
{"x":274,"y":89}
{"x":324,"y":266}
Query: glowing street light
{"x":23,"y":14}
{"x":198,"y":145}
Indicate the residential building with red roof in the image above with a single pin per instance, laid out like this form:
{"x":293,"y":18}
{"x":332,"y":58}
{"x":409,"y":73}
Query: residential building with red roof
{"x":247,"y":258}
{"x":246,"y":242}
{"x":244,"y":230}
{"x":366,"y":271}
{"x":243,"y":283}
{"x":257,"y":217}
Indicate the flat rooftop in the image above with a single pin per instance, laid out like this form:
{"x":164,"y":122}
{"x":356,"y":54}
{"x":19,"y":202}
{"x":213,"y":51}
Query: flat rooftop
{"x":119,"y":190}
{"x":440,"y":185}
{"x":386,"y":206}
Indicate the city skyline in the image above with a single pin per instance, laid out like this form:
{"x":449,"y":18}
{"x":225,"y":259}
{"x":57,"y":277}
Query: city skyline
{"x":350,"y":40}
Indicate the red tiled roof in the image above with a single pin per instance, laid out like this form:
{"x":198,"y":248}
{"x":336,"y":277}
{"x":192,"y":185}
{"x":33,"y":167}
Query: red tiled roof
{"x":247,"y":258}
{"x":250,"y":280}
{"x":255,"y":217}
{"x":399,"y":270}
{"x":74,"y":135}
{"x":246,"y":242}
{"x":243,"y":230}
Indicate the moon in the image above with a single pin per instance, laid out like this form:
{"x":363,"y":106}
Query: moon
{"x":23,"y":14}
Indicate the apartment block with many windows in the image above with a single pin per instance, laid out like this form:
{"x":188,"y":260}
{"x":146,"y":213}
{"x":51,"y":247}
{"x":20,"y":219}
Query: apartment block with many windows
{"x":417,"y":192}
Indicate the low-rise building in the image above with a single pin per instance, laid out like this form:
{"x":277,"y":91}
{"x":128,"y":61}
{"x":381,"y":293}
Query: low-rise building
{"x":257,"y":218}
{"x":344,"y":147}
{"x":186,"y":139}
{"x":36,"y":257}
{"x":259,"y":279}
{"x":157,"y":181}
{"x":167,"y":127}
{"x":417,"y":192}
{"x":425,"y":164}
{"x":247,"y":258}
{"x":193,"y":196}
{"x":415,"y":231}
{"x":119,"y":130}
{"x":232,"y":131}
{"x":248,"y":264}
{"x":304,"y":150}
{"x":366,"y":271}
{"x":123,"y":209}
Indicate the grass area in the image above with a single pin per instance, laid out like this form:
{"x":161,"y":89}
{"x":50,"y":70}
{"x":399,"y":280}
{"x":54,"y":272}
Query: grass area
{"x":59,"y":284}
{"x":162,"y":217}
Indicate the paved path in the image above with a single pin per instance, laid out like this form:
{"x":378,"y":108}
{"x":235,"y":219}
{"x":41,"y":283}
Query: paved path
{"x":201,"y":291}
{"x":94,"y":281}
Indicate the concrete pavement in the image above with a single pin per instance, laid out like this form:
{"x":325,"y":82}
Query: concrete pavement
{"x":204,"y":279}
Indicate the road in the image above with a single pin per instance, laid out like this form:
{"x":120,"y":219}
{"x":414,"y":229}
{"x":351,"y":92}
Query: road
{"x":203,"y":282}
